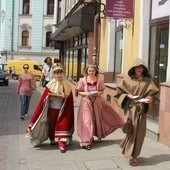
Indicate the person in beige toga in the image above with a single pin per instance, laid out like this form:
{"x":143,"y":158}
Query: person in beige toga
{"x":136,"y":94}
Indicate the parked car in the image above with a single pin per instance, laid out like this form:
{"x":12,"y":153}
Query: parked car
{"x":4,"y":77}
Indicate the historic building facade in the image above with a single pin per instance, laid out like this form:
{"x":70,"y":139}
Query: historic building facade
{"x":145,"y":36}
{"x":74,"y":35}
{"x":25,"y":29}
{"x":114,"y":43}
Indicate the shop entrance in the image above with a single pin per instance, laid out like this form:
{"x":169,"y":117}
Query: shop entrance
{"x":162,"y":54}
{"x":158,"y":58}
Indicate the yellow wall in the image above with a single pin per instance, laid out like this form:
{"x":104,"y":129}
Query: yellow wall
{"x":103,"y":42}
{"x":131,"y":39}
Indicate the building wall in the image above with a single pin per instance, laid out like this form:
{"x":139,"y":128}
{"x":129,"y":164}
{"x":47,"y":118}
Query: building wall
{"x":131,"y":39}
{"x":103,"y":44}
{"x":5,"y":40}
{"x":16,"y":29}
{"x":37,"y":25}
{"x":144,"y":29}
{"x":38,"y":22}
{"x":106,"y":47}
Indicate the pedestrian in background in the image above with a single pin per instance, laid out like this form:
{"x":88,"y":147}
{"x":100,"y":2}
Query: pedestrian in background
{"x":24,"y":89}
{"x":96,"y":116}
{"x":54,"y":114}
{"x":13,"y":72}
{"x":135,"y":95}
{"x":47,"y":72}
{"x":10,"y":73}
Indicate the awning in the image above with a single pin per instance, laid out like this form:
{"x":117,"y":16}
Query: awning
{"x":80,"y":21}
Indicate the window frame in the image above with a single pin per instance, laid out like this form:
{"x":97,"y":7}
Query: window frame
{"x":26,"y":4}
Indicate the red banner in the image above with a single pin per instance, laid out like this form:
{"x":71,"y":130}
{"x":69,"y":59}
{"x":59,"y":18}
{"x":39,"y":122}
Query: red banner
{"x":119,"y":9}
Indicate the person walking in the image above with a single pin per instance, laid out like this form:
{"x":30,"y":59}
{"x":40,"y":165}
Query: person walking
{"x":96,"y":116}
{"x":24,"y":89}
{"x":47,"y":72}
{"x":10,"y":73}
{"x":13,"y":72}
{"x":135,"y":94}
{"x":54,"y":114}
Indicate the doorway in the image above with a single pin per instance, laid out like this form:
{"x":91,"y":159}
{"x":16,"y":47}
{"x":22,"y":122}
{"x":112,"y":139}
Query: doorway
{"x":158,"y":57}
{"x":162,"y":54}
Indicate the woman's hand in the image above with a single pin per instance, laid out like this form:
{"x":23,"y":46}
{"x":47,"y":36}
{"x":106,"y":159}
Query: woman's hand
{"x":148,"y":100}
{"x":145,"y":100}
{"x":84,"y":94}
{"x":130,"y":96}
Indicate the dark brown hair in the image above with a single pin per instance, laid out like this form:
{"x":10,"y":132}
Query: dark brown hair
{"x":26,"y":65}
{"x":92,"y":66}
{"x":47,"y":58}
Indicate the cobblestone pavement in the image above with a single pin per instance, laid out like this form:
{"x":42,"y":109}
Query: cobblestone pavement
{"x":17,"y":153}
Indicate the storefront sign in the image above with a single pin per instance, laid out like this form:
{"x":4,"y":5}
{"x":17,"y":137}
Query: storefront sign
{"x":160,"y":8}
{"x":119,"y":9}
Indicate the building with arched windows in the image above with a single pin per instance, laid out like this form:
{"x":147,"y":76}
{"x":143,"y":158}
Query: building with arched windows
{"x":25,"y":29}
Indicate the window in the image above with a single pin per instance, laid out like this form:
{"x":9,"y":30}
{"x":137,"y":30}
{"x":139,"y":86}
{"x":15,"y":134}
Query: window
{"x":26,"y":7}
{"x":50,"y":7}
{"x":75,"y":57}
{"x":36,"y":67}
{"x":118,"y":53}
{"x":25,"y":38}
{"x":66,"y":63}
{"x":48,"y":39}
{"x":59,"y":12}
{"x":152,"y":50}
{"x":159,"y":52}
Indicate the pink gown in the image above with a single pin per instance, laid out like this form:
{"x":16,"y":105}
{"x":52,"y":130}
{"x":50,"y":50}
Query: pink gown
{"x":96,"y":116}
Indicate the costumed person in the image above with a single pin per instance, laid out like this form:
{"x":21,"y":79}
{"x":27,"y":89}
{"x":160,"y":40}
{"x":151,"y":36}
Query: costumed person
{"x":136,"y":94}
{"x":96,"y":116}
{"x":25,"y":89}
{"x":54,"y":114}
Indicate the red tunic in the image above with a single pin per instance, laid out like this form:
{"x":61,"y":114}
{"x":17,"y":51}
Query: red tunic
{"x":65,"y":124}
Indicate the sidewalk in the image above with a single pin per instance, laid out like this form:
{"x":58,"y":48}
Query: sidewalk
{"x":105,"y":155}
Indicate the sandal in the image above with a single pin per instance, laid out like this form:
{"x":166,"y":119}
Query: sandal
{"x":134,"y":162}
{"x":52,"y":143}
{"x":87,"y":147}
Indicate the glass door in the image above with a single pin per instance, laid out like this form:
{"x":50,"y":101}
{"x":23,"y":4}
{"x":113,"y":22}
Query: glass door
{"x":158,"y":58}
{"x":163,"y":54}
{"x":159,"y":52}
{"x":118,"y":53}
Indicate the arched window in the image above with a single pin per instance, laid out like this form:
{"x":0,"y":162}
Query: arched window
{"x":48,"y":39}
{"x":26,"y":7}
{"x":25,"y":38}
{"x":50,"y":7}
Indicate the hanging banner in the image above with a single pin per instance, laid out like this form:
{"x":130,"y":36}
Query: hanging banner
{"x":119,"y":9}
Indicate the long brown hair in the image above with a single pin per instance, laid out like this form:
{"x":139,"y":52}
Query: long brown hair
{"x":92,"y":66}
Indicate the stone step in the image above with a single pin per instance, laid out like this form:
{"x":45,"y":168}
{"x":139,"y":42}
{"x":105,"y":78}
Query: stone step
{"x":152,"y":130}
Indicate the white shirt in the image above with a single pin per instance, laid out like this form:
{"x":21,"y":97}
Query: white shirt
{"x":48,"y":72}
{"x":56,"y":104}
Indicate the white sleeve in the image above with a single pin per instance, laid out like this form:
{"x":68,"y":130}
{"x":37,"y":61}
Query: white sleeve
{"x":44,"y":70}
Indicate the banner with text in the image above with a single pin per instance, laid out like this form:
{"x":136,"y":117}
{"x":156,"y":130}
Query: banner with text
{"x":119,"y":9}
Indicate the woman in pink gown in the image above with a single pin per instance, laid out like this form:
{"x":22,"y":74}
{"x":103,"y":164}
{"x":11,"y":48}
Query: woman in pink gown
{"x":96,"y":116}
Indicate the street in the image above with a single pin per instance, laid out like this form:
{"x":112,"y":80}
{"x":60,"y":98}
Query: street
{"x":16,"y":152}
